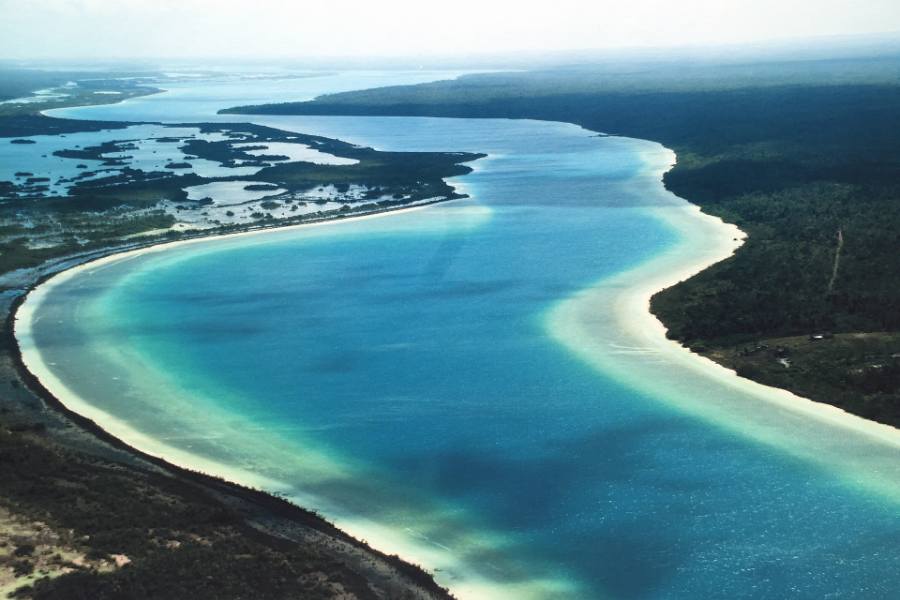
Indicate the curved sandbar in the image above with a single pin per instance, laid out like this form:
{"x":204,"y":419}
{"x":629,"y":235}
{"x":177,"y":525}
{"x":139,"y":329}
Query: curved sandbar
{"x":863,"y":451}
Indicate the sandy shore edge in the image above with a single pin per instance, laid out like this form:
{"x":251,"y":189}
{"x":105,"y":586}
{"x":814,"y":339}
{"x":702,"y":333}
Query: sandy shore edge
{"x":704,"y":241}
{"x":383,"y":539}
{"x":25,"y":313}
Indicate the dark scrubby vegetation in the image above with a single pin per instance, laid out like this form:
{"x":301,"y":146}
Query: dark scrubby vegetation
{"x":410,"y":175}
{"x":66,"y":88}
{"x":35,"y":124}
{"x":99,"y":211}
{"x":95,"y":152}
{"x":180,"y":542}
{"x":19,"y":82}
{"x":792,"y":152}
{"x":856,"y":371}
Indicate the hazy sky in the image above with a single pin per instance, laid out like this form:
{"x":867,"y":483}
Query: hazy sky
{"x":302,"y":28}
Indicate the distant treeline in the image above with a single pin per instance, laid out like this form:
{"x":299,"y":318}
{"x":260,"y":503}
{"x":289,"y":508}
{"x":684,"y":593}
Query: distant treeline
{"x":19,"y":82}
{"x":790,"y":164}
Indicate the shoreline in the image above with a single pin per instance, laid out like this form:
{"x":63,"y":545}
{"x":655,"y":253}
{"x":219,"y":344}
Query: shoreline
{"x":23,"y":309}
{"x":121,"y":436}
{"x":626,"y":298}
{"x":630,"y":307}
{"x":413,"y":555}
{"x":409,"y":551}
{"x":270,"y":505}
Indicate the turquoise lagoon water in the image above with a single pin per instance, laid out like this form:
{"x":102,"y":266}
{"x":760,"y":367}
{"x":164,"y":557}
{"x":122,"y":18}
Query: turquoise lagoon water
{"x":397,"y":373}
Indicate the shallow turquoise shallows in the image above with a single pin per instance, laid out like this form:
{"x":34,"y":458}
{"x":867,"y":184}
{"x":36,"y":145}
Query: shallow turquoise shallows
{"x":397,"y":373}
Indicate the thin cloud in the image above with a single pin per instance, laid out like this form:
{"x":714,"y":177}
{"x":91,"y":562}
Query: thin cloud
{"x":276,"y":28}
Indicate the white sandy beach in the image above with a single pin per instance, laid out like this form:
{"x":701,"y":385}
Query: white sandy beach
{"x":415,"y":547}
{"x":34,"y":361}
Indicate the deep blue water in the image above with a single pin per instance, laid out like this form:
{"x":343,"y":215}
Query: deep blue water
{"x":404,"y":364}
